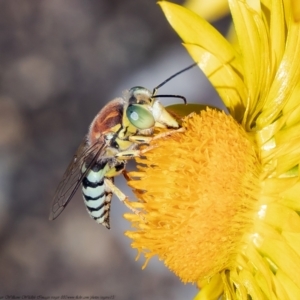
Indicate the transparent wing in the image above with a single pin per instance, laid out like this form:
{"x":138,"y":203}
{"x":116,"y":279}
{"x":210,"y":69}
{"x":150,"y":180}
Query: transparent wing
{"x":85,"y":156}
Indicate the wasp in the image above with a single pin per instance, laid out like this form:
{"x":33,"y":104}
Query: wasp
{"x":113,"y":138}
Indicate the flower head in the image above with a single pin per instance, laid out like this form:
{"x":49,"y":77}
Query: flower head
{"x":221,"y":200}
{"x":183,"y":176}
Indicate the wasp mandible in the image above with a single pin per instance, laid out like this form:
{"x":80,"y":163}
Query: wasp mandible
{"x":113,"y":137}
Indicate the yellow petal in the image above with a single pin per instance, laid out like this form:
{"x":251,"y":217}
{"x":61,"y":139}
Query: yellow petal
{"x":209,"y":10}
{"x":207,"y":46}
{"x":296,"y":10}
{"x":277,"y":31}
{"x":223,"y":77}
{"x":286,"y":79}
{"x":290,"y":287}
{"x":271,"y":245}
{"x":253,"y":42}
{"x":195,"y":30}
{"x":212,"y":289}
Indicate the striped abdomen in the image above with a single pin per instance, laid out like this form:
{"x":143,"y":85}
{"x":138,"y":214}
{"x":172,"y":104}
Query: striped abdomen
{"x":97,"y":196}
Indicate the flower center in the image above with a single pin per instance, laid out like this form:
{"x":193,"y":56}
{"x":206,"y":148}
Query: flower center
{"x":199,"y":192}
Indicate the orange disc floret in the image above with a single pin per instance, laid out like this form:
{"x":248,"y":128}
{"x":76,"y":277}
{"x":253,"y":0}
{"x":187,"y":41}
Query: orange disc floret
{"x":198,"y":192}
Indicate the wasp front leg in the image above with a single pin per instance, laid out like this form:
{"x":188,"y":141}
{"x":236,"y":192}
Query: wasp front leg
{"x":147,"y":139}
{"x":130,"y":154}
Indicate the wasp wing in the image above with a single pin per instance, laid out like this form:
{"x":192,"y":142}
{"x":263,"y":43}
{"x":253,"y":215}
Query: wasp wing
{"x":78,"y":168}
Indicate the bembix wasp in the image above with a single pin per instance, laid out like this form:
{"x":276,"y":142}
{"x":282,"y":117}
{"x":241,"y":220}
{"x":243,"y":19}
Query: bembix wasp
{"x":112,"y":139}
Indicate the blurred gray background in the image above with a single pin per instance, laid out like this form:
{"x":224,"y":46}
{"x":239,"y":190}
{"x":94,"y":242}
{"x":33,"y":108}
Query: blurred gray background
{"x":60,"y":62}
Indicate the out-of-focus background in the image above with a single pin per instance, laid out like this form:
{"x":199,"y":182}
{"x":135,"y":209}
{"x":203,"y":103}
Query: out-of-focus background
{"x":61,"y":61}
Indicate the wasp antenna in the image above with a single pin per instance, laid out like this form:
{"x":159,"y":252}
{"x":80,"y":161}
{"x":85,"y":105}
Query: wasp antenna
{"x":170,"y":96}
{"x":174,"y":75}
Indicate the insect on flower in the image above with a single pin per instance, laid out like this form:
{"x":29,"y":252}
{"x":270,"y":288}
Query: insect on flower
{"x":113,"y":138}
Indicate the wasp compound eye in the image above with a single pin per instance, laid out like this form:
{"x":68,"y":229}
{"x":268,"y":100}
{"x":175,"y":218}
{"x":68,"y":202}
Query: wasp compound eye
{"x":139,"y":116}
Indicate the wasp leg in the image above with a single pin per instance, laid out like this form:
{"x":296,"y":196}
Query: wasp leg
{"x":167,"y":133}
{"x":126,"y":175}
{"x":130,"y":154}
{"x":122,"y":197}
{"x":147,"y":139}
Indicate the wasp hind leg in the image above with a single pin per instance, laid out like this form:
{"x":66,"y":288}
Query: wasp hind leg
{"x":126,"y":175}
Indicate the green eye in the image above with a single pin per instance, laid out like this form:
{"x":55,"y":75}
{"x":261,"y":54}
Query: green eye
{"x":139,"y":116}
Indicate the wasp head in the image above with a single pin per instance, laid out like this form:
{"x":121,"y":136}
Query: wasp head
{"x":144,"y":111}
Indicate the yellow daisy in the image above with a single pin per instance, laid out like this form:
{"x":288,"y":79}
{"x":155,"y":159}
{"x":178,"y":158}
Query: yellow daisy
{"x":221,"y":201}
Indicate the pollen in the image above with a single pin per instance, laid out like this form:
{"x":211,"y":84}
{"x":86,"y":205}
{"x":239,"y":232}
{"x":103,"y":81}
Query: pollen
{"x":197,"y":191}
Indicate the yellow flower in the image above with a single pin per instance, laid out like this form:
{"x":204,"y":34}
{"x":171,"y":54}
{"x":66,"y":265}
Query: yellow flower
{"x":221,"y":201}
